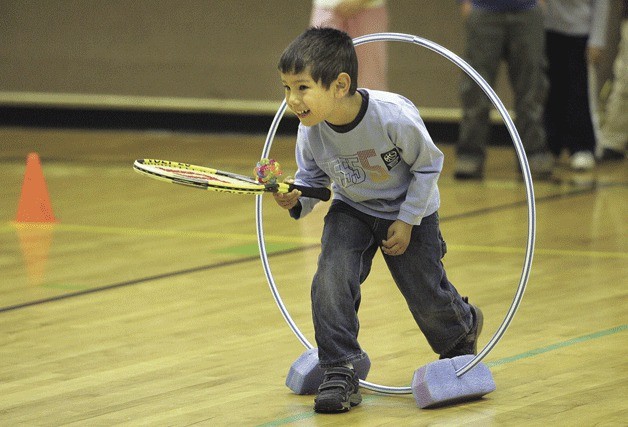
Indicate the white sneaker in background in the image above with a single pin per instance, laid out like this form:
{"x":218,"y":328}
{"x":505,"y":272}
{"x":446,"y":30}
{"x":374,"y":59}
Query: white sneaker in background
{"x":582,"y":161}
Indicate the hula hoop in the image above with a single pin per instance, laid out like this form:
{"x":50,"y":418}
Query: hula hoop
{"x":527,"y":179}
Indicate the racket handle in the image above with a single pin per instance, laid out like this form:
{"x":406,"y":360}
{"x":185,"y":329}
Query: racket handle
{"x":321,"y":193}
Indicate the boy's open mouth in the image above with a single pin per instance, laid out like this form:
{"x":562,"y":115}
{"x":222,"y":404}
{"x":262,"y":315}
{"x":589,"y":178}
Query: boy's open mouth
{"x":302,"y":114}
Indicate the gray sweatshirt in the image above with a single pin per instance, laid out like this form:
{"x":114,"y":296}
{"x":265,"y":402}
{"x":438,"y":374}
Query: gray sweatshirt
{"x":384,"y":164}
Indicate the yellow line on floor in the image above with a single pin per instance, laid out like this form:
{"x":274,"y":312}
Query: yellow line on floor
{"x":538,"y":251}
{"x":130,"y":231}
{"x":251,"y":237}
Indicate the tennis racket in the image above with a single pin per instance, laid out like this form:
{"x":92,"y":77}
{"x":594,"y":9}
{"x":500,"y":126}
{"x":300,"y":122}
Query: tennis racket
{"x":217,"y":180}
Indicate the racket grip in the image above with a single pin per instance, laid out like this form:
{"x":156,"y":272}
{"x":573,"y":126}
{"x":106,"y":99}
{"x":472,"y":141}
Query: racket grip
{"x":321,"y":193}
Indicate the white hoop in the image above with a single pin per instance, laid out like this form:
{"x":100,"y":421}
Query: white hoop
{"x":527,"y":179}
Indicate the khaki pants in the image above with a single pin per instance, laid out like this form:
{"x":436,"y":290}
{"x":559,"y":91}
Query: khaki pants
{"x":614,"y":127}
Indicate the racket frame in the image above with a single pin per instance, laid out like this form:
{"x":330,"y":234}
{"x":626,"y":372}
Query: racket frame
{"x":240,"y":184}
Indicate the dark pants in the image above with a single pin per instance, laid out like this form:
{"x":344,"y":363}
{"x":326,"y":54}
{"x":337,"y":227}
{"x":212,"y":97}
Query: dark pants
{"x":567,"y":115}
{"x":518,"y":38}
{"x":349,"y":243}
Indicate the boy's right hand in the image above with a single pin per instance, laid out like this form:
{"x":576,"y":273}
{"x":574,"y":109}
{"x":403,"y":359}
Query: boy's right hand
{"x":288,"y":200}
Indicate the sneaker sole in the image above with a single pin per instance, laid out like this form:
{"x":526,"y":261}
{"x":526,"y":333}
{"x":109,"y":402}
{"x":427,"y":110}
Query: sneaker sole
{"x":354,"y":400}
{"x":479,"y":317}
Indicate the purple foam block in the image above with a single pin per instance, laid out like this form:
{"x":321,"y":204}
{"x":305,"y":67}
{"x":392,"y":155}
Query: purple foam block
{"x":436,"y":383}
{"x":306,"y":375}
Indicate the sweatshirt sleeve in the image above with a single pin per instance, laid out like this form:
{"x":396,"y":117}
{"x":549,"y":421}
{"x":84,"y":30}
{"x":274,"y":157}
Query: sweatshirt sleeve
{"x":308,"y":174}
{"x":599,"y":23}
{"x":425,"y":161}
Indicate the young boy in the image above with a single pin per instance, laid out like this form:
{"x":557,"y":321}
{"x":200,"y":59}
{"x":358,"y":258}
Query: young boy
{"x":383,"y":166}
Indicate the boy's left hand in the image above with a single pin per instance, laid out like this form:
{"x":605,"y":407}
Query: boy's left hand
{"x":398,"y":238}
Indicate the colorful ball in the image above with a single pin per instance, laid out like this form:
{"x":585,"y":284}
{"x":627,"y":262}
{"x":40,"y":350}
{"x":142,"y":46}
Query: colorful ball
{"x":267,"y":171}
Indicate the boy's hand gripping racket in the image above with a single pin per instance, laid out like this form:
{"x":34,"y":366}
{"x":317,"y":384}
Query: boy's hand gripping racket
{"x":217,"y":180}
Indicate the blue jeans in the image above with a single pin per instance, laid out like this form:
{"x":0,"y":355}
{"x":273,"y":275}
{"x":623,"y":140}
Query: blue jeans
{"x":349,"y":243}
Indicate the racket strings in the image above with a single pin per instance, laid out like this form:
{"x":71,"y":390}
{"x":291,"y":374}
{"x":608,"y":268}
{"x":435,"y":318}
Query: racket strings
{"x":187,"y":173}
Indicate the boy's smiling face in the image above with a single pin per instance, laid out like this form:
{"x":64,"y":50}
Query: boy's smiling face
{"x":309,"y":100}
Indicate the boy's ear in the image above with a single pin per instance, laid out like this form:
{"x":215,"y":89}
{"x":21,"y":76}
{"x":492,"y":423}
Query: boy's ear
{"x":342,"y":84}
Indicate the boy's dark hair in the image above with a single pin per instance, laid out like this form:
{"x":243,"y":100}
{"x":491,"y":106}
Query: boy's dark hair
{"x":326,"y":51}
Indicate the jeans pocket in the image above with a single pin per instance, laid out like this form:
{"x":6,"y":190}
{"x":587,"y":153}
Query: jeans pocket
{"x":443,"y":245}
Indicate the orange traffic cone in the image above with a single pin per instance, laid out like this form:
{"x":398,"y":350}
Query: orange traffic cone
{"x":34,"y":218}
{"x":35,"y":241}
{"x":34,"y":205}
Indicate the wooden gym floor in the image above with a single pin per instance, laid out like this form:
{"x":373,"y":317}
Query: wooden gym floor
{"x":146,"y":304}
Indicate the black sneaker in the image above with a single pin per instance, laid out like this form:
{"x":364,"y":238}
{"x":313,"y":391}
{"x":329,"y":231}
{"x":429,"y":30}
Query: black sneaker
{"x":468,"y":168}
{"x":469,"y":345}
{"x":541,"y":166}
{"x":339,"y":391}
{"x":608,"y":154}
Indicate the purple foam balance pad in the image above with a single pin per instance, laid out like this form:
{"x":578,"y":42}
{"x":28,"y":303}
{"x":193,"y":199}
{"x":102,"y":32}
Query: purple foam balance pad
{"x":306,"y":375}
{"x":436,"y":384}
